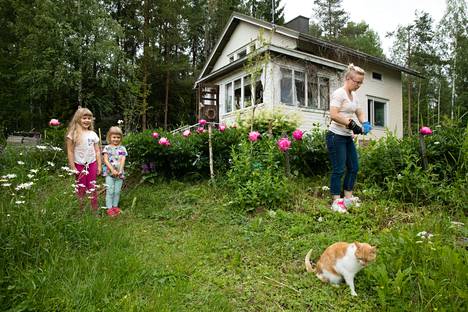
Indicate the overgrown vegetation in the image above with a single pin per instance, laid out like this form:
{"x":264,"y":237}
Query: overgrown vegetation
{"x":236,"y":244}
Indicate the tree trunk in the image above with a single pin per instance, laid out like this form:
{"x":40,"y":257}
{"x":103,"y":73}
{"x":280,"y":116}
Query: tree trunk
{"x":144,"y":106}
{"x":166,"y":101}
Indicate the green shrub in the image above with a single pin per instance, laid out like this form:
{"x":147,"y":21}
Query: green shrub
{"x":185,"y":156}
{"x":392,"y":168}
{"x":266,"y":121}
{"x":309,"y":157}
{"x":257,"y":176}
{"x":55,"y":136}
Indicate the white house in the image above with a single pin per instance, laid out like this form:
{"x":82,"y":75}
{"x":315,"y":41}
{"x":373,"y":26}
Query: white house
{"x":296,"y":78}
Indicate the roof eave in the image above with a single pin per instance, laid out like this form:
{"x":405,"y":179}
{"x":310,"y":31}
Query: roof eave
{"x":358,"y":54}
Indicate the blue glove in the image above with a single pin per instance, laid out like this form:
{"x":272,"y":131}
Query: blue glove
{"x":366,"y":127}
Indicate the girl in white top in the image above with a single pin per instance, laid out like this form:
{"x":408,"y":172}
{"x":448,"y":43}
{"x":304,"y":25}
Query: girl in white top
{"x":84,"y":156}
{"x":344,"y":109}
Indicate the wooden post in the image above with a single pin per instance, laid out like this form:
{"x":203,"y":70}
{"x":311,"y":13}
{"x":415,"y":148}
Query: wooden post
{"x":100,"y":141}
{"x":210,"y":150}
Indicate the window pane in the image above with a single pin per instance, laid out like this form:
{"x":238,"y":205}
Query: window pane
{"x":241,"y":54}
{"x":299,"y":88}
{"x":286,"y":86}
{"x":379,"y":114}
{"x":228,"y":97}
{"x":237,"y":94}
{"x":312,"y":91}
{"x":258,"y":92}
{"x":324,"y":93}
{"x":376,"y":76}
{"x":247,"y":92}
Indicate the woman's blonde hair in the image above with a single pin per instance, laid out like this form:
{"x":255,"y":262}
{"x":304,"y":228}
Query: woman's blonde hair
{"x":114,"y":131}
{"x":353,"y":70}
{"x":74,"y":128}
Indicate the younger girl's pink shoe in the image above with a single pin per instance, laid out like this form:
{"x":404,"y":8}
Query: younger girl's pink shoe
{"x":113,"y":212}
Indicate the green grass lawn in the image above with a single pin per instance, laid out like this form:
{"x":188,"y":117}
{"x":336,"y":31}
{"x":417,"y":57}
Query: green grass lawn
{"x":180,"y":247}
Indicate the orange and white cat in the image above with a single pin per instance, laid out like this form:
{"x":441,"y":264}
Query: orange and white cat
{"x":342,"y":261}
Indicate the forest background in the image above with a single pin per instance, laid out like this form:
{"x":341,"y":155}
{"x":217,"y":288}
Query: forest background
{"x":137,"y":60}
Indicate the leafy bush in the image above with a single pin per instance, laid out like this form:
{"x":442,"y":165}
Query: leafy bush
{"x":257,"y":177}
{"x":392,"y":167}
{"x":184,"y":157}
{"x":55,"y":136}
{"x":267,"y":121}
{"x":309,"y":157}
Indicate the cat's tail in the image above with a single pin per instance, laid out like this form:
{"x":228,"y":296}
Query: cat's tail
{"x":308,"y":265}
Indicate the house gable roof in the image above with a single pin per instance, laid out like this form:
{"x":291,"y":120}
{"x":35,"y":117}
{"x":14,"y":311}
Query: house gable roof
{"x":305,"y":43}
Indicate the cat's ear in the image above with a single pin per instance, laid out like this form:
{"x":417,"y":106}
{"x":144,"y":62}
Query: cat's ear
{"x":358,"y":245}
{"x":374,"y":248}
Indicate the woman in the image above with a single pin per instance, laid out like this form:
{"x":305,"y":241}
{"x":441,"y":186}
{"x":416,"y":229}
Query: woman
{"x":340,"y":145}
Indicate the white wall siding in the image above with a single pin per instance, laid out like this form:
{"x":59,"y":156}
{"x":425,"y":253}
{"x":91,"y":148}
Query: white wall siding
{"x":388,"y":89}
{"x":244,"y":34}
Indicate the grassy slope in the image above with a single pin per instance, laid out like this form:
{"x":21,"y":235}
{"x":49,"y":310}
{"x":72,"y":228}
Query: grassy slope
{"x":177,"y":247}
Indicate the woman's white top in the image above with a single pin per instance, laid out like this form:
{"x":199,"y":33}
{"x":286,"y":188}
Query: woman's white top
{"x":347,"y":109}
{"x":84,"y":152}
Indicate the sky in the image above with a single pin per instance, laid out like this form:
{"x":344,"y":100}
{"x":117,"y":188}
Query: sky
{"x":382,"y":16}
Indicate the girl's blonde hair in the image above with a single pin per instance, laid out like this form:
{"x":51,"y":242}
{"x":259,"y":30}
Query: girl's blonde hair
{"x":353,"y":70}
{"x":114,"y":131}
{"x":74,"y":128}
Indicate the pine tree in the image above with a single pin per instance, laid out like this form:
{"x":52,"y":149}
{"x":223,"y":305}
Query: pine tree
{"x":331,"y":17}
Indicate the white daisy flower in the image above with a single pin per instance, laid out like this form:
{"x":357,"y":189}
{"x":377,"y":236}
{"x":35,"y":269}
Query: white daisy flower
{"x":9,"y":176}
{"x":6,"y":184}
{"x":19,"y":202}
{"x":25,"y":186}
{"x":41,"y":147}
{"x":20,"y":162}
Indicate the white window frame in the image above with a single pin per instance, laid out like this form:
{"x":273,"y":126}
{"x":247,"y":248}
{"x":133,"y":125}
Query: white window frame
{"x":370,"y":112}
{"x":242,"y":86}
{"x":247,"y":48}
{"x":306,"y":89}
{"x":375,"y":79}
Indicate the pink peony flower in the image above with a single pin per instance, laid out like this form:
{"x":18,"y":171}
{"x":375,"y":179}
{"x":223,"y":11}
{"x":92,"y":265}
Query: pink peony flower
{"x":200,"y":130}
{"x":425,"y":131}
{"x":54,"y":122}
{"x":164,"y":141}
{"x":222,"y":127}
{"x":155,"y":135}
{"x":297,"y":134}
{"x":202,"y":122}
{"x":284,"y":144}
{"x":254,"y":135}
{"x":186,"y":133}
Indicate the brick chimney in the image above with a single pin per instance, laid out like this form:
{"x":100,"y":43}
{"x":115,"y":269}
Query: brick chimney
{"x":299,"y":23}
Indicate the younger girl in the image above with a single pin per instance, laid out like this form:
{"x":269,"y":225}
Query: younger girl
{"x":84,"y":155}
{"x":114,"y":160}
